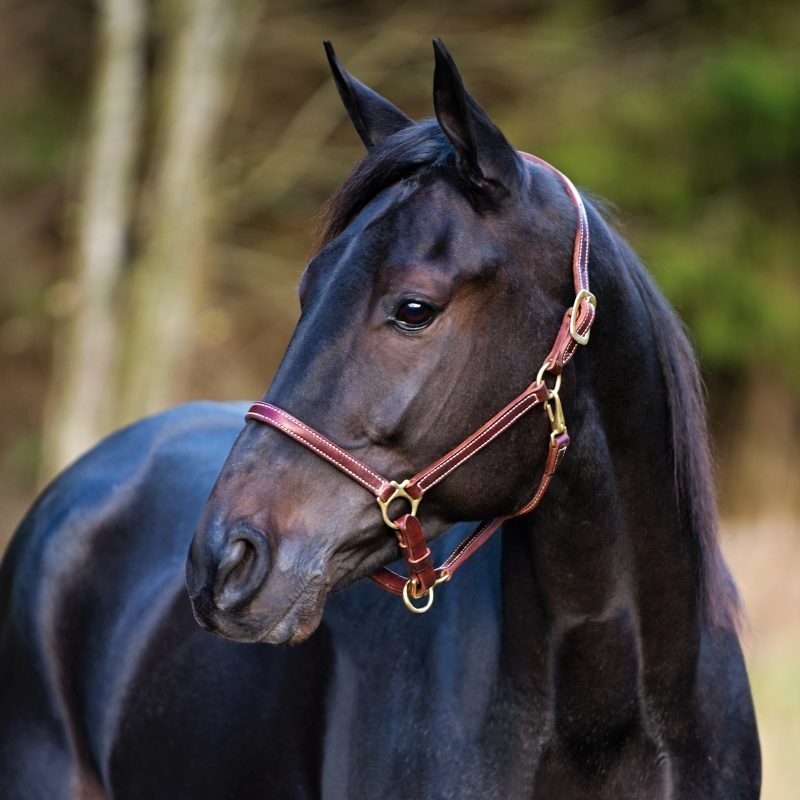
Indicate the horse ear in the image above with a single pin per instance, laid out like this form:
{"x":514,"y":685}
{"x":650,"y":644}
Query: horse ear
{"x":484,"y":154}
{"x":373,"y":116}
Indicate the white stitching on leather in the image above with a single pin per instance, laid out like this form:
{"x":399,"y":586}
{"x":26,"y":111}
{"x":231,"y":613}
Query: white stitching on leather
{"x":466,"y":543}
{"x":324,"y":439}
{"x":317,"y":450}
{"x":468,"y":444}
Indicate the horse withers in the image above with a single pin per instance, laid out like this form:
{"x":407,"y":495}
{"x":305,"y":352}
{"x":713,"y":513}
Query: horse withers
{"x":588,"y":650}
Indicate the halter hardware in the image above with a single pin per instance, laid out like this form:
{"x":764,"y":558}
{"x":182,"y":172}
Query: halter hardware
{"x":398,"y":494}
{"x":583,"y":294}
{"x":423,"y":578}
{"x":547,"y":367}
{"x":555,"y":413}
{"x":552,"y":405}
{"x":410,"y":590}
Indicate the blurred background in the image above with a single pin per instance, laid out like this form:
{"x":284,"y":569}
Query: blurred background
{"x":164,"y":162}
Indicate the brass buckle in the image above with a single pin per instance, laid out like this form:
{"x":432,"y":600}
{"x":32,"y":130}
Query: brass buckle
{"x":398,"y":493}
{"x":583,"y":294}
{"x":445,"y":576}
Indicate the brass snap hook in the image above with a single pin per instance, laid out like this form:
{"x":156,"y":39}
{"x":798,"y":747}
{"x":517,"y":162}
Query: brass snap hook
{"x":555,"y":412}
{"x":553,"y":407}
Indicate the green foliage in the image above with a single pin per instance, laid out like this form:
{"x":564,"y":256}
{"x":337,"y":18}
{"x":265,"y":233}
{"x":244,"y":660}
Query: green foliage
{"x":38,"y":132}
{"x":702,"y":151}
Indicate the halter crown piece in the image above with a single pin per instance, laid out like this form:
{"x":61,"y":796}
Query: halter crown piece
{"x":423,"y":577}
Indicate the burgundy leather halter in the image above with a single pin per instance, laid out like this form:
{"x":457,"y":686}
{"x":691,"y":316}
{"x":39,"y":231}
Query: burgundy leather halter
{"x":422,"y":576}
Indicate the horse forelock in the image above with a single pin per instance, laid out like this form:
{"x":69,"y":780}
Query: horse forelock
{"x":405,"y":153}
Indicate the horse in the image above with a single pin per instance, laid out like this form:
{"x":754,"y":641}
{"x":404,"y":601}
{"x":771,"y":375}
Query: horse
{"x":589,"y":649}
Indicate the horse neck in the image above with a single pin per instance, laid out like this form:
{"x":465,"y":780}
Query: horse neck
{"x":606,"y":569}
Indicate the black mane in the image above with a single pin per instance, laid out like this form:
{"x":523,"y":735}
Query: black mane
{"x":691,"y":453}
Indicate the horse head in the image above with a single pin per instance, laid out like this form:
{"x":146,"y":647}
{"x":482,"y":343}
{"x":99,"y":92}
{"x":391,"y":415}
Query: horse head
{"x":441,"y":278}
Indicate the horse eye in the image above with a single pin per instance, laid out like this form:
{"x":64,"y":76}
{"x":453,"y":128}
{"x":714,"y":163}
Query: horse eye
{"x":413,"y":315}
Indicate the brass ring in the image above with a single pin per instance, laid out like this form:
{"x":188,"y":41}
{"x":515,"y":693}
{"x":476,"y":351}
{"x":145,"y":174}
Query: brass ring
{"x":542,"y":370}
{"x":540,"y":376}
{"x":417,"y":609}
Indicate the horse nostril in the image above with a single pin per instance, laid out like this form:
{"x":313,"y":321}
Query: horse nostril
{"x":241,"y":571}
{"x":246,"y":554}
{"x":234,"y":564}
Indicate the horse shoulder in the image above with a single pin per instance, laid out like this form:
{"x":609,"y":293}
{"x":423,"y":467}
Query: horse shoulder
{"x":99,"y":555}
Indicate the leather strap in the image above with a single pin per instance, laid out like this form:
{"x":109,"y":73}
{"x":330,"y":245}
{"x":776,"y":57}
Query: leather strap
{"x":393,"y":582}
{"x":534,"y":395}
{"x":426,"y":479}
{"x":565,"y":344}
{"x":416,"y":553}
{"x":580,"y":250}
{"x":559,"y":442}
{"x":410,"y":536}
{"x":322,"y":446}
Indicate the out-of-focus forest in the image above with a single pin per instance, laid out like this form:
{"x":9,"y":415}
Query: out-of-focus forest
{"x":164,"y":162}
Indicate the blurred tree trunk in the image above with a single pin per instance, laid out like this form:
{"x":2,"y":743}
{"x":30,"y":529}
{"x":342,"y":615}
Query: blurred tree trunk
{"x":78,"y":409}
{"x":115,"y":362}
{"x":167,"y":276}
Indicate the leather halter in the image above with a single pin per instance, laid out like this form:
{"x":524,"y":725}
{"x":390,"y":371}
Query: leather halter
{"x":422,"y":576}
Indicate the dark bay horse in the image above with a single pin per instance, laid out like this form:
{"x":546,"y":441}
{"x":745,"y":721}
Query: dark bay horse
{"x":589,"y":650}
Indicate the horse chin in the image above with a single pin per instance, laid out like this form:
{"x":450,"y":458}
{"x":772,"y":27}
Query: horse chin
{"x":301,"y":619}
{"x":266,"y":621}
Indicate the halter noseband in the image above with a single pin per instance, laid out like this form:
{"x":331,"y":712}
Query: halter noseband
{"x":422,"y":576}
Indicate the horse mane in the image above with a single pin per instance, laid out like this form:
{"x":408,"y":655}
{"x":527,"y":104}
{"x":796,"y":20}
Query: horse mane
{"x":421,"y":149}
{"x":694,"y":483}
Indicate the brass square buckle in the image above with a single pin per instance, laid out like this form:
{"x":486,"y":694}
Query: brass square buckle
{"x":583,"y":294}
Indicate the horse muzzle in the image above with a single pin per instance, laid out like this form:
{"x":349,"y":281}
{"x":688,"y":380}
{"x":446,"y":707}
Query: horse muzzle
{"x":240,"y":591}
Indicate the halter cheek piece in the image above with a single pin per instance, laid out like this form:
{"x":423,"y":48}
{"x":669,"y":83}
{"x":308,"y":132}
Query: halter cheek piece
{"x":422,"y":576}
